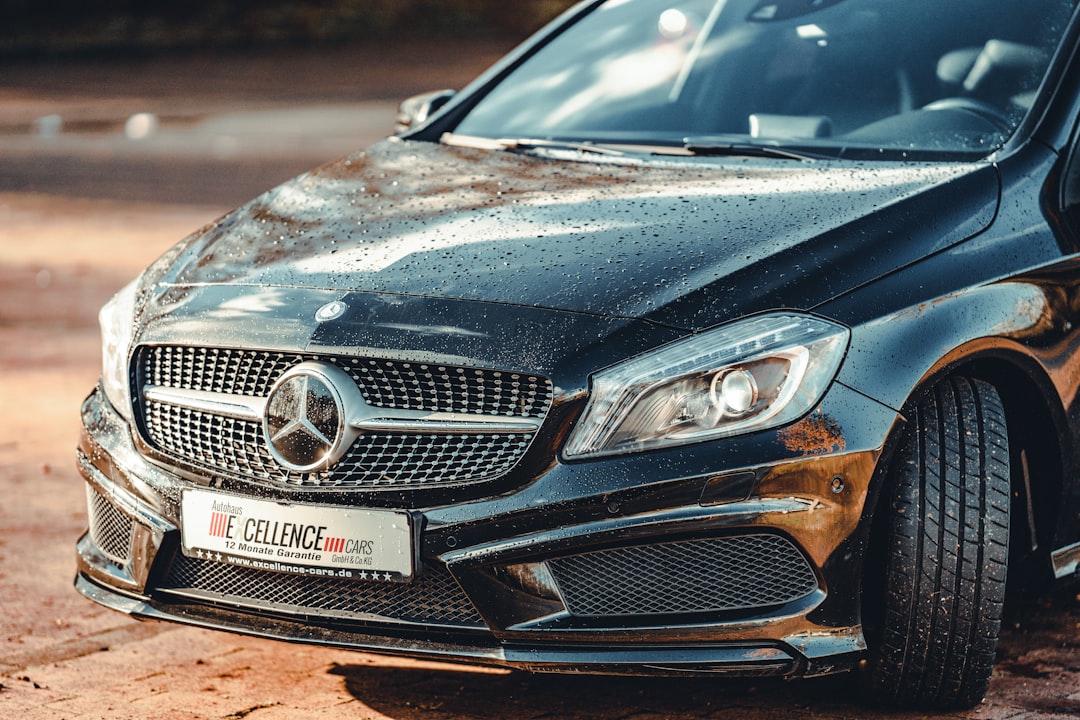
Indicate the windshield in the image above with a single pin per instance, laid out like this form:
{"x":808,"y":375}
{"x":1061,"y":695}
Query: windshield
{"x":935,"y":75}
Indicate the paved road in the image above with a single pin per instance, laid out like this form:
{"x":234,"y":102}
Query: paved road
{"x":103,"y":206}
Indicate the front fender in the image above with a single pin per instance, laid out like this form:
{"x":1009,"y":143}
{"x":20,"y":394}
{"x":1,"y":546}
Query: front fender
{"x":1021,"y":334}
{"x":893,"y":356}
{"x":1007,"y":291}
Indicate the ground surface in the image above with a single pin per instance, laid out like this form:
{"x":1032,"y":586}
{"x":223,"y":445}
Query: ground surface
{"x":80,"y":213}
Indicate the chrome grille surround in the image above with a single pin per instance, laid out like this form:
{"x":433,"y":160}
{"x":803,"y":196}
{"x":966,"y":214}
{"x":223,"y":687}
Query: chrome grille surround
{"x":378,"y":460}
{"x":739,"y":572}
{"x":111,"y":530}
{"x":432,"y":598}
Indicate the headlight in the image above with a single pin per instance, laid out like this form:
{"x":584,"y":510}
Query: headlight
{"x":117,"y":330}
{"x":753,"y":374}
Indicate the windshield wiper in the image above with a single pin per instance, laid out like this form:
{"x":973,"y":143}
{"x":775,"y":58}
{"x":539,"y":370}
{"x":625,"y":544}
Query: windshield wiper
{"x":709,"y":147}
{"x":525,"y":144}
{"x":690,"y":146}
{"x":586,"y":147}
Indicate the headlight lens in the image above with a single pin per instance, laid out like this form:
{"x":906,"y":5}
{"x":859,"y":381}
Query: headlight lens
{"x":753,"y":374}
{"x":117,"y":330}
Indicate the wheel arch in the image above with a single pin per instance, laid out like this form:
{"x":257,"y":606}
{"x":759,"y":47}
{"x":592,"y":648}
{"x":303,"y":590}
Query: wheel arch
{"x":1038,"y":456}
{"x":1016,"y":335}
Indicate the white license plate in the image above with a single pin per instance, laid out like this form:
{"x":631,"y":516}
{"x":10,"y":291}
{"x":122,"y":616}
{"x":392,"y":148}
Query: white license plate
{"x":299,"y":539}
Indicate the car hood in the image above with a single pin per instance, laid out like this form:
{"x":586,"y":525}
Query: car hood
{"x":685,"y":242}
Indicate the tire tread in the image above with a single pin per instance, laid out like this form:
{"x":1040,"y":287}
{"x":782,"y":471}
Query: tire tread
{"x":947,"y":552}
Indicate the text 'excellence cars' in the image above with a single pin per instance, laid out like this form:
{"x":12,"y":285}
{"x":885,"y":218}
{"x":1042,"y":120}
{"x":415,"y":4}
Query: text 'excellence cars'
{"x":694,"y":337}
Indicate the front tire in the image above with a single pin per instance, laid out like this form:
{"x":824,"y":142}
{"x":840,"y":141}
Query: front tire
{"x":946,"y":546}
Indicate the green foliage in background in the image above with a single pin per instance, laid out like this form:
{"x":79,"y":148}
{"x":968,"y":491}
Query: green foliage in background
{"x":73,"y":26}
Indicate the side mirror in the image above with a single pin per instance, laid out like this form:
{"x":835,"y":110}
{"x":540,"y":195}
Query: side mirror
{"x":417,"y":109}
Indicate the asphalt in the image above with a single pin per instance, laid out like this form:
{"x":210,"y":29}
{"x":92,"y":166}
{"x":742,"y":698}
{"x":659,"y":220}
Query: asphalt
{"x":199,"y":128}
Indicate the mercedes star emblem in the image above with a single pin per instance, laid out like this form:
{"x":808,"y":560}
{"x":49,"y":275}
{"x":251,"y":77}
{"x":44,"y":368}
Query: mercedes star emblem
{"x":331,"y":311}
{"x":305,"y":422}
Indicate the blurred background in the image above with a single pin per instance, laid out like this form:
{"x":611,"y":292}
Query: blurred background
{"x":213,"y":101}
{"x":55,"y":27}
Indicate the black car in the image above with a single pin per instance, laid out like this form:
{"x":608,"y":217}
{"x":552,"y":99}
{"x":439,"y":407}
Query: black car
{"x":694,"y":337}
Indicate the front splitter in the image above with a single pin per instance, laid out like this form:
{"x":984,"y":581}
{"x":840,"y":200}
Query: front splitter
{"x":654,"y":660}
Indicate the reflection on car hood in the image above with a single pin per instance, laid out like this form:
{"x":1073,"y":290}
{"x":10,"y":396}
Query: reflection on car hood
{"x":617,"y":238}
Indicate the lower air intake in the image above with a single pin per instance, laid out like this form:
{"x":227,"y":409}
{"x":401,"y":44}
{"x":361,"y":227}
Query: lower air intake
{"x":741,"y":572}
{"x":432,"y":598}
{"x":110,"y":529}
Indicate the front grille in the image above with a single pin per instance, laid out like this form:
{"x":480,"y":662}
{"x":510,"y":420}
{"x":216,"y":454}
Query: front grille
{"x":432,"y":598}
{"x":384,"y":383}
{"x":376,"y":460}
{"x":228,"y":446}
{"x":110,"y":529}
{"x":426,"y":460}
{"x":710,"y":575}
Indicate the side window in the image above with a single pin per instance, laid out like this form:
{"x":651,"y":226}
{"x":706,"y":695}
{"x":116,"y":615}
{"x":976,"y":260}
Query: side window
{"x":1070,"y":189}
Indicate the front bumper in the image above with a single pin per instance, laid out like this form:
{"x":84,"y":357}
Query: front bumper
{"x":486,"y":593}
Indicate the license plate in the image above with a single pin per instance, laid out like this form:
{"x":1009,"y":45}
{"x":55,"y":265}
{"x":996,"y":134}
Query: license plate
{"x":299,"y":539}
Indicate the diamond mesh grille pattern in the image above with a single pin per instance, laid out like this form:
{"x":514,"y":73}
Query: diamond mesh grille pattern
{"x":228,"y":446}
{"x":235,"y":372}
{"x":110,"y":529}
{"x":441,"y":388}
{"x":386,"y":460}
{"x":710,"y":575}
{"x":384,"y":383}
{"x":434,"y":597}
{"x":220,"y":444}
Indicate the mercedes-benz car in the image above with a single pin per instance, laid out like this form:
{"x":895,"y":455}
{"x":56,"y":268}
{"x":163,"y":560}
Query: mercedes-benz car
{"x":694,"y":337}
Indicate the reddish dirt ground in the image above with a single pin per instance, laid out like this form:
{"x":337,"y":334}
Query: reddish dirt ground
{"x":64,"y":657}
